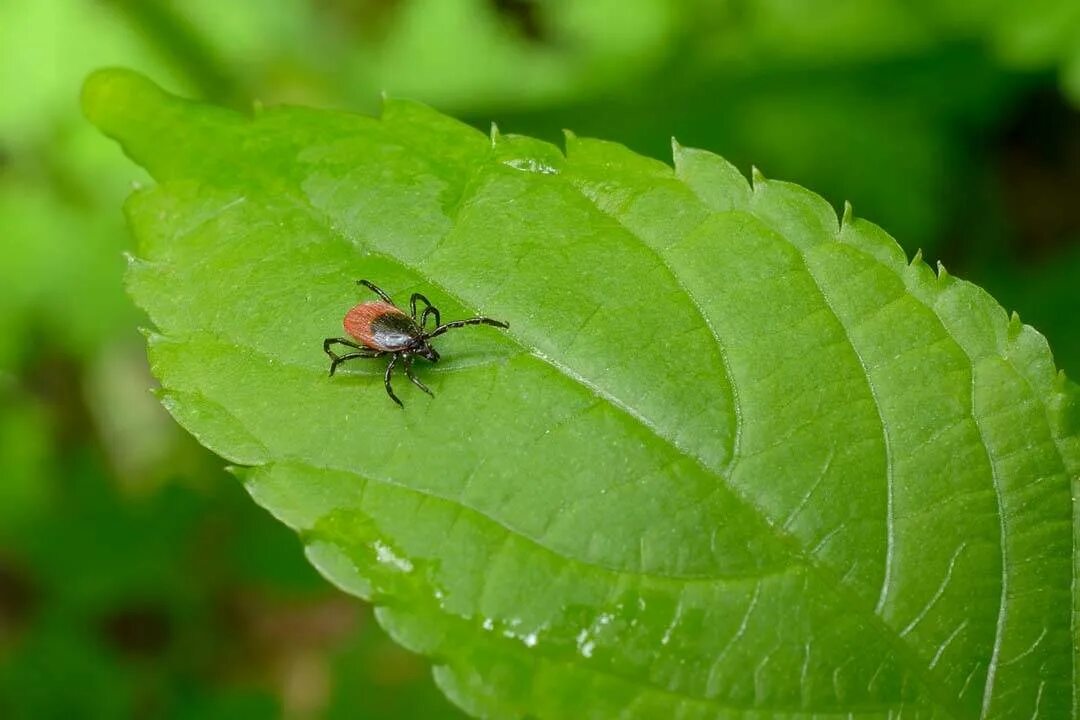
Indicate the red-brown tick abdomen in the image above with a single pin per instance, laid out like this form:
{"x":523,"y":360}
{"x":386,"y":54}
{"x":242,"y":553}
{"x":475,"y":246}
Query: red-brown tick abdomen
{"x":379,"y":325}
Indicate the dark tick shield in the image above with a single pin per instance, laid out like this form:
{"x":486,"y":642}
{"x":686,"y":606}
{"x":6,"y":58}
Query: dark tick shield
{"x":379,"y":327}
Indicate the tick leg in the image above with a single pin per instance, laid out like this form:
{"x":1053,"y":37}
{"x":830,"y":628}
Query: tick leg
{"x":416,"y":380}
{"x":335,"y":359}
{"x":462,"y":323}
{"x":338,"y":359}
{"x":386,"y":381}
{"x":339,"y":341}
{"x":375,"y":289}
{"x":429,"y":310}
{"x":432,"y":310}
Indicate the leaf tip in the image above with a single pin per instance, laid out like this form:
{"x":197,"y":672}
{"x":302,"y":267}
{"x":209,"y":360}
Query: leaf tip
{"x":916,"y":259}
{"x":942,"y":273}
{"x":494,"y":134}
{"x":107,"y":94}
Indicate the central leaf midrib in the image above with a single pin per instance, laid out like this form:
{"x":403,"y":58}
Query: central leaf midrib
{"x":232,"y":345}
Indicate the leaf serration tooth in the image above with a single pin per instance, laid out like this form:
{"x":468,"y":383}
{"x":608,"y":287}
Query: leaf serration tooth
{"x":757,"y":178}
{"x":676,"y":148}
{"x":1015,"y":325}
{"x":150,"y":334}
{"x":943,"y":275}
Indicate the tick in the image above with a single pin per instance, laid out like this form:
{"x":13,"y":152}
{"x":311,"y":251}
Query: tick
{"x":379,"y":327}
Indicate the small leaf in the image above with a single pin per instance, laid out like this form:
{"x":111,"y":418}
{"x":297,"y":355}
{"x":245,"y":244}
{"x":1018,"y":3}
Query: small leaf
{"x":732,"y":458}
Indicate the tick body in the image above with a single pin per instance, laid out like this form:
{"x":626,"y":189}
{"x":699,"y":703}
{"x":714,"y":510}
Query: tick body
{"x":380,"y":328}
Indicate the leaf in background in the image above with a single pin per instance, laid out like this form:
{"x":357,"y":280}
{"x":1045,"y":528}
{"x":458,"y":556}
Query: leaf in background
{"x":466,"y":54}
{"x":732,"y":455}
{"x":98,"y":625}
{"x":1022,"y":36}
{"x":476,"y":53}
{"x":59,"y":182}
{"x":25,"y":447}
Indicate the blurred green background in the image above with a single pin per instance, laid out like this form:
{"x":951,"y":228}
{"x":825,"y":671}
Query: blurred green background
{"x":136,"y":578}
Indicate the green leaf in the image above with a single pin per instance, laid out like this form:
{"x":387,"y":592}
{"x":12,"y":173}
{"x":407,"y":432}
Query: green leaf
{"x":734,"y":457}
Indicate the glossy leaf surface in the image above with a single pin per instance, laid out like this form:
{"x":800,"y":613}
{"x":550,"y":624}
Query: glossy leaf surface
{"x":735,"y":457}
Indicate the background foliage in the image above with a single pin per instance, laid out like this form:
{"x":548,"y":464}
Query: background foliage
{"x":953,"y":125}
